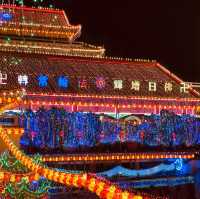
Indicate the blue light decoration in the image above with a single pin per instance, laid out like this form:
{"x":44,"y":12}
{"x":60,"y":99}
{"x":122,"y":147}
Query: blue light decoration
{"x":43,"y":80}
{"x":162,"y":168}
{"x":59,"y":128}
{"x":63,"y":82}
{"x":5,"y":16}
{"x":179,"y":164}
{"x":56,"y":128}
{"x":34,"y":185}
{"x":158,"y":182}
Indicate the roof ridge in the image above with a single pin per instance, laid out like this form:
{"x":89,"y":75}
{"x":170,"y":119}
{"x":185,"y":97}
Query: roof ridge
{"x":193,"y":91}
{"x":44,"y":9}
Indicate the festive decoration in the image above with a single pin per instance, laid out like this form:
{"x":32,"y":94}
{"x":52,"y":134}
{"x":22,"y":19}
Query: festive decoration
{"x":118,"y":157}
{"x":118,"y":84}
{"x":164,"y":168}
{"x":60,"y":28}
{"x":158,"y":182}
{"x":101,"y":187}
{"x":43,"y":80}
{"x":100,"y":82}
{"x":114,"y":103}
{"x":18,"y":181}
{"x":135,"y":85}
{"x":3,"y":78}
{"x":50,"y":128}
{"x":27,"y":31}
{"x":82,"y":84}
{"x":152,"y":86}
{"x":63,"y":82}
{"x":168,"y":87}
{"x":23,"y":79}
{"x":24,"y":189}
{"x":5,"y":17}
{"x":184,"y":87}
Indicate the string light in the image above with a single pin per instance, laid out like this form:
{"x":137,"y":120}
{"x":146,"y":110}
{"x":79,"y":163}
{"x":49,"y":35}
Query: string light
{"x":107,"y":192}
{"x":118,"y":157}
{"x":108,"y":105}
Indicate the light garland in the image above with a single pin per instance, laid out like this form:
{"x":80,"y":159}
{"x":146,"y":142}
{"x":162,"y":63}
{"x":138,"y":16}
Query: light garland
{"x":52,"y":50}
{"x":107,"y":105}
{"x":64,"y":31}
{"x":14,"y":131}
{"x":27,"y":25}
{"x":120,"y":157}
{"x":159,"y":182}
{"x":48,"y":10}
{"x":28,"y":32}
{"x":88,"y":181}
{"x":114,"y":97}
{"x":122,"y":171}
{"x":7,"y":177}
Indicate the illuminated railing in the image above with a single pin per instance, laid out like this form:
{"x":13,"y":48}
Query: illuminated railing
{"x":107,"y":157}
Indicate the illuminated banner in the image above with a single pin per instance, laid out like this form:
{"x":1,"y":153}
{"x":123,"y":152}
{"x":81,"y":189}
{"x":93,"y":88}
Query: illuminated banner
{"x":100,"y":83}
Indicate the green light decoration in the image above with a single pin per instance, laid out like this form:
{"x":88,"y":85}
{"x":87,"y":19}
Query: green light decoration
{"x":7,"y":39}
{"x":20,"y":2}
{"x":23,"y":189}
{"x":11,"y":164}
{"x":37,"y":3}
{"x":23,"y":2}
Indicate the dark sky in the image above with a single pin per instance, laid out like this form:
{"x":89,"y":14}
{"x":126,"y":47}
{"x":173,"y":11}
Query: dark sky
{"x":165,"y":30}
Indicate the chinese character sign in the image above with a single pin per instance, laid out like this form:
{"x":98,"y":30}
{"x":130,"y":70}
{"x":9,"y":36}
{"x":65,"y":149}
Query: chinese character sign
{"x":3,"y":78}
{"x":63,"y":82}
{"x":43,"y":80}
{"x":23,"y":79}
{"x":152,"y":86}
{"x":135,"y":85}
{"x":118,"y":84}
{"x":82,"y":83}
{"x":100,"y":82}
{"x":184,"y":87}
{"x":168,"y":86}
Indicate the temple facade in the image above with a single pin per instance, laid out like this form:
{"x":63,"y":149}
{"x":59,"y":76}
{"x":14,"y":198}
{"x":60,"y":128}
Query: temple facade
{"x":40,"y":55}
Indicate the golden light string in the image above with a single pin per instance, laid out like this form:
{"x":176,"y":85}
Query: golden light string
{"x":103,"y":188}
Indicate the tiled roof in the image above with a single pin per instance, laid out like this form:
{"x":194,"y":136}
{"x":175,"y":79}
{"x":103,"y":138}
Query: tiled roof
{"x":76,"y":68}
{"x":49,"y":48}
{"x":36,"y":22}
{"x":39,"y":16}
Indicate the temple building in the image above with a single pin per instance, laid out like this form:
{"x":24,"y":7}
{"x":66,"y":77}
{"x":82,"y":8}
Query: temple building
{"x":40,"y":55}
{"x":87,"y":112}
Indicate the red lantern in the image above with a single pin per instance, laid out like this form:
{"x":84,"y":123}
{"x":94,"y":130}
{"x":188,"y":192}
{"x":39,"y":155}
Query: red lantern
{"x":142,"y":133}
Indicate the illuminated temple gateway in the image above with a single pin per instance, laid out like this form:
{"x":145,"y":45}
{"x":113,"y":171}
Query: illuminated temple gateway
{"x":42,"y":65}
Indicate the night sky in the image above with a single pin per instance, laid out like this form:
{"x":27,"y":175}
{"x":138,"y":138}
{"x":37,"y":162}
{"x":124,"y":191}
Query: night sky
{"x":168,"y":31}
